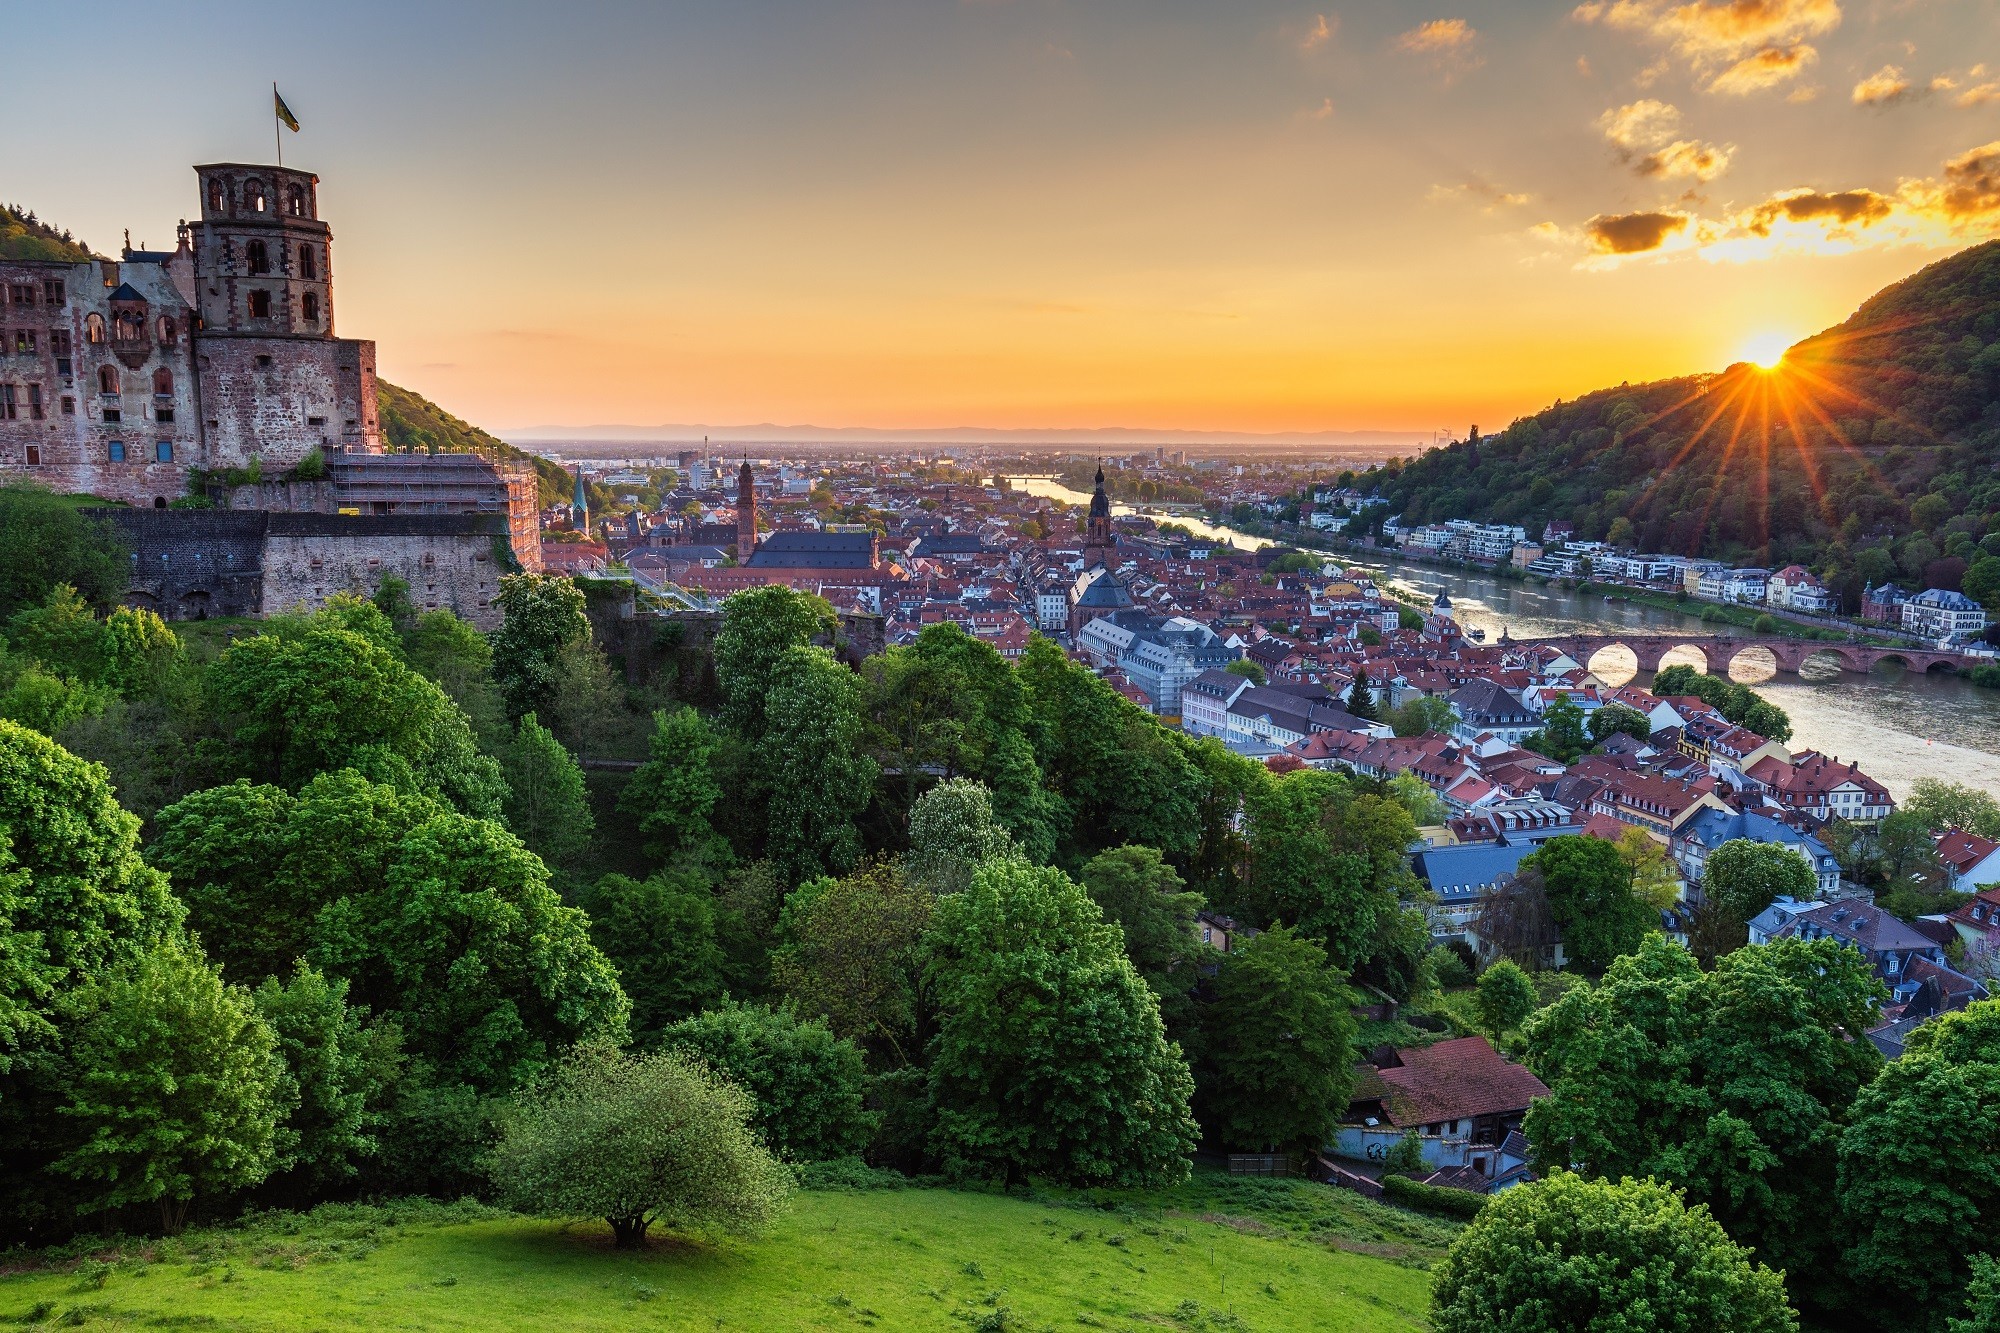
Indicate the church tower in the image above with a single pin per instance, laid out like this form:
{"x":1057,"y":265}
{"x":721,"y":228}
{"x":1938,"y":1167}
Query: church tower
{"x":579,"y":504}
{"x":1097,"y":531}
{"x":746,"y":514}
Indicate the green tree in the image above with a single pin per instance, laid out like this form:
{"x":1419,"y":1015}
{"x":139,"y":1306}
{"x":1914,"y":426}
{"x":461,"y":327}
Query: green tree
{"x":547,"y":806}
{"x":1411,"y":792}
{"x":1731,"y":1084}
{"x":1050,"y":1059}
{"x":1982,"y":1295}
{"x":675,"y":791}
{"x":1505,"y":997}
{"x":1326,"y":860}
{"x":809,"y":1085}
{"x":334,"y":1070}
{"x":760,"y":626}
{"x":1567,"y":1253}
{"x":469,"y":951}
{"x":1589,"y":889}
{"x":45,"y":543}
{"x":1919,"y":1180}
{"x":1247,"y":669}
{"x":1654,"y":879}
{"x":323,"y":697}
{"x":852,"y":953}
{"x":639,"y":1141}
{"x":661,"y":935}
{"x":810,"y":764}
{"x":455,"y":656}
{"x":1746,"y":877}
{"x":1146,"y":899}
{"x":540,"y":615}
{"x":1279,"y":1046}
{"x":953,"y":833}
{"x":1562,"y":736}
{"x":1423,"y":715}
{"x":171,"y":1081}
{"x":1360,"y":699}
{"x":1616,"y":719}
{"x":1953,"y":805}
{"x":586,"y":706}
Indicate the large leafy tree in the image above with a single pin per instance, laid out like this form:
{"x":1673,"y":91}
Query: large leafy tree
{"x":1567,"y":1253}
{"x":953,"y":833}
{"x":298,"y":701}
{"x":1746,"y":877}
{"x":759,"y":627}
{"x":1278,"y":1043}
{"x":45,"y":542}
{"x":1051,"y":1059}
{"x":547,"y":806}
{"x":1562,"y":736}
{"x":467,"y":948}
{"x":675,"y":791}
{"x":1589,"y":890}
{"x":1328,"y":860}
{"x":1919,"y":1177}
{"x":540,"y":616}
{"x":639,"y":1141}
{"x":1947,"y":805}
{"x":171,"y":1085}
{"x":1733,"y":1084}
{"x":809,"y":1085}
{"x":1140,"y":893}
{"x":811,"y":766}
{"x":852,"y":953}
{"x":661,"y":935}
{"x":336,"y":1070}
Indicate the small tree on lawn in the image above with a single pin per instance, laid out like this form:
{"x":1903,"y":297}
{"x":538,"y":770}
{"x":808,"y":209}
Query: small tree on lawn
{"x":637,"y":1140}
{"x":1505,"y":997}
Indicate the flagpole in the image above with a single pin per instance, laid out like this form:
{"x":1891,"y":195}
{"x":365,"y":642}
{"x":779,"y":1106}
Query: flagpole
{"x":277,"y":129}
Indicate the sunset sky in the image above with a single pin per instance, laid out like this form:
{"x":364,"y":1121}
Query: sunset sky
{"x":1232,"y":216}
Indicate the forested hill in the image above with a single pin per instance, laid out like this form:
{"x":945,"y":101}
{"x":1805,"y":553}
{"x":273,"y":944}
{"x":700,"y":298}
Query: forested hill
{"x":23,"y":236}
{"x":412,"y":421}
{"x":1868,"y":453}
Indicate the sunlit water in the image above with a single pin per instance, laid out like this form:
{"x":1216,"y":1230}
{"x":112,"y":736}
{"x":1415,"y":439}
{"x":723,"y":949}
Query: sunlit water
{"x":1899,"y":726}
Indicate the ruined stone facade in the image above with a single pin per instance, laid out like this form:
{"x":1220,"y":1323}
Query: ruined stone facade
{"x":126,"y":379}
{"x":192,"y":563}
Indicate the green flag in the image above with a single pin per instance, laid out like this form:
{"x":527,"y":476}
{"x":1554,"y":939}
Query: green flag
{"x":284,"y":112}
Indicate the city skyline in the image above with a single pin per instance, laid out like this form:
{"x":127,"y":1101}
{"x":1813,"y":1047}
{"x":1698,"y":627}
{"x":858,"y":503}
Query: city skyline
{"x":1029,"y":216}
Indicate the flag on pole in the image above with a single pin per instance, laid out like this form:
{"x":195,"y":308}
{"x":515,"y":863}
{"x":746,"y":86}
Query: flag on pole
{"x":285,"y":115}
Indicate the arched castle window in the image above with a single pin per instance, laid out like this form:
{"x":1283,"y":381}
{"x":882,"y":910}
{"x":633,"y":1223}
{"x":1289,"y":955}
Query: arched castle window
{"x":253,"y":196}
{"x":169,"y":334}
{"x":295,"y":201}
{"x":256,"y":259}
{"x":107,"y":380}
{"x":215,"y":197}
{"x":128,"y":326}
{"x":309,"y":308}
{"x":163,"y":381}
{"x":308,"y":268}
{"x":93,"y":328}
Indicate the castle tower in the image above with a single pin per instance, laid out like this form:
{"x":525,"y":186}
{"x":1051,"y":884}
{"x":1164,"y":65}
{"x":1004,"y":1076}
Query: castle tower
{"x":276,"y":383}
{"x":746,"y":514}
{"x":1097,"y":531}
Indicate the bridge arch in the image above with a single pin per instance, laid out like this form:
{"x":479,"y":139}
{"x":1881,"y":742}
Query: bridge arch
{"x":1657,"y":650}
{"x":1735,"y":651}
{"x":1845,"y":657}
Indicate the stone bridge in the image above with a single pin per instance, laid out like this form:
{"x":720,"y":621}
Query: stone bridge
{"x":1720,"y":650}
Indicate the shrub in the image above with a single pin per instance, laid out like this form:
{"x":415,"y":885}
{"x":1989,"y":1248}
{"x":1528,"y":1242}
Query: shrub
{"x":1432,"y":1198}
{"x":808,"y":1084}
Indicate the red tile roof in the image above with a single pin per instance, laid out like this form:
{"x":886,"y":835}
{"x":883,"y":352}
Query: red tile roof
{"x":1454,"y":1080}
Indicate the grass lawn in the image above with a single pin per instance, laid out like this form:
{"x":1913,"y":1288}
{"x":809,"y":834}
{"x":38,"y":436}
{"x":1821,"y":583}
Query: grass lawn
{"x":1217,"y":1254}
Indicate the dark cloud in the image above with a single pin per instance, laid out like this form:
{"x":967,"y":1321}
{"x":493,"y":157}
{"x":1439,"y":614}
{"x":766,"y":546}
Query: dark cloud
{"x":1632,"y":233}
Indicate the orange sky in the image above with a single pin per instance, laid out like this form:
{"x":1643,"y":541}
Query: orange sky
{"x":1024,"y":213}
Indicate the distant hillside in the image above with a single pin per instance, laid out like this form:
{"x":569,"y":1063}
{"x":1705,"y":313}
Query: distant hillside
{"x":1869,"y":453}
{"x":412,"y":421}
{"x":23,"y":236}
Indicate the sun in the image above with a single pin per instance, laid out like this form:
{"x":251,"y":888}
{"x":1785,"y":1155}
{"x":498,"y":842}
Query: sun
{"x":1764,"y":349}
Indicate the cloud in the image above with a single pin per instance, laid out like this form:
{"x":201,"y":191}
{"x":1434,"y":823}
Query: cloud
{"x":1764,"y":69}
{"x":1961,"y":201}
{"x":1323,"y":111}
{"x":1645,"y":135}
{"x":1632,"y":233}
{"x":1885,"y":87}
{"x":1475,"y":190}
{"x":1740,"y":46}
{"x":1322,"y":31}
{"x":1451,"y":46}
{"x":1803,"y":94}
{"x":1980,"y":94}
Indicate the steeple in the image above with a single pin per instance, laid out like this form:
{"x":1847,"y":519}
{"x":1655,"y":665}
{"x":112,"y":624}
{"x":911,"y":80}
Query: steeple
{"x":1097,"y":531}
{"x":579,"y":504}
{"x":746,"y":514}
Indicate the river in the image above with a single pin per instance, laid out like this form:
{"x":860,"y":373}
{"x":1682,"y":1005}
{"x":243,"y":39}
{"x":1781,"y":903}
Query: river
{"x":1899,"y":726}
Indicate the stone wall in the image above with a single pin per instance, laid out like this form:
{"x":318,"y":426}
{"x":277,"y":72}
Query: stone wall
{"x":189,"y":564}
{"x":279,"y":398}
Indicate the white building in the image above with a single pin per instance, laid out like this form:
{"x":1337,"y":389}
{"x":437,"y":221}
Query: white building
{"x":1938,"y":614}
